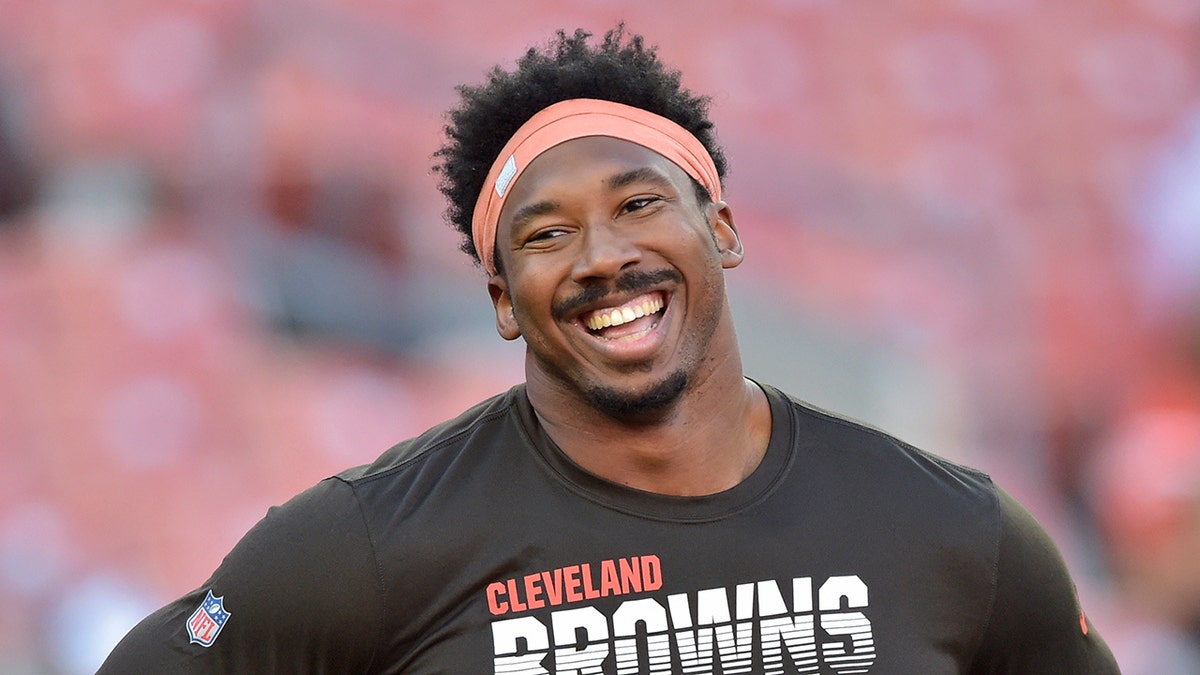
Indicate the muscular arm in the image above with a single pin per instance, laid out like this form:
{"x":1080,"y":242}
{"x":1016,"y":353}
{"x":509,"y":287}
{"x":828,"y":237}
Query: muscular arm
{"x":302,"y":591}
{"x":1036,"y":625}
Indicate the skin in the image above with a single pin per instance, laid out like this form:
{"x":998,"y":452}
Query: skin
{"x":596,"y":223}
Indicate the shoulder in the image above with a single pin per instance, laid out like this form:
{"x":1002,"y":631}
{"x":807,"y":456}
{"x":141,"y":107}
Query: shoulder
{"x":932,"y":511}
{"x":863,"y":452}
{"x":306,"y":586}
{"x":456,"y":472}
{"x":1037,"y":624}
{"x":299,"y":591}
{"x":489,"y":421}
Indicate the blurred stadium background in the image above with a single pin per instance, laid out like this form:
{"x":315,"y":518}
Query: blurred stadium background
{"x":224,"y":273}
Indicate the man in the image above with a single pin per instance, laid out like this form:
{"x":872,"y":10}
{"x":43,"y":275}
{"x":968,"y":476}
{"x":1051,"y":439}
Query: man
{"x":638,"y":505}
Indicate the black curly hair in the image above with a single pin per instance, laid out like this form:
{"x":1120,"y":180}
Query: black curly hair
{"x":621,"y":69}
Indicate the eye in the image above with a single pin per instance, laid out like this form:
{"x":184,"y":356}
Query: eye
{"x":639,"y":203}
{"x":545,"y":234}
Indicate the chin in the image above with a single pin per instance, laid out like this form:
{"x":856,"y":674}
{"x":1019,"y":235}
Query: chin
{"x":624,"y":405}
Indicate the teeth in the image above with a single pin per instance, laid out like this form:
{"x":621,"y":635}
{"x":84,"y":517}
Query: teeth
{"x":621,"y":315}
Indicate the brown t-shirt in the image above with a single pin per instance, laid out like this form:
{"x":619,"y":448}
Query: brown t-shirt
{"x":479,"y":547}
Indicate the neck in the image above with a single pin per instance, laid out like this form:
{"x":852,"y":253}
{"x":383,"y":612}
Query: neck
{"x":708,"y":440}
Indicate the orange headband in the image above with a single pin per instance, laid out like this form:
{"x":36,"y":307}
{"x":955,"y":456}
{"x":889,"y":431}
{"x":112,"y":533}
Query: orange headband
{"x":578,"y":118}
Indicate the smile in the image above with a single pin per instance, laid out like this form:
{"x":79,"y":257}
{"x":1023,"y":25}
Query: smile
{"x":611,"y":317}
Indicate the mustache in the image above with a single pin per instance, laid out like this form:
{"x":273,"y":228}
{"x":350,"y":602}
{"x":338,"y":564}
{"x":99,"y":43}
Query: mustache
{"x":634,"y":281}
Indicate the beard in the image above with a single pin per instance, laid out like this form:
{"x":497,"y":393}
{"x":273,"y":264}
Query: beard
{"x":641,"y":405}
{"x":653,"y":402}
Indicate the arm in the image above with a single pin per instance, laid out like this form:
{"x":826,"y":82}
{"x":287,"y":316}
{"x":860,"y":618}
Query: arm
{"x":1037,"y":625}
{"x":302,"y":592}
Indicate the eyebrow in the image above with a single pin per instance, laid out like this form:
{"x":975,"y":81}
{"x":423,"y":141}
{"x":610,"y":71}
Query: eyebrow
{"x":531,"y":211}
{"x":643,"y":174}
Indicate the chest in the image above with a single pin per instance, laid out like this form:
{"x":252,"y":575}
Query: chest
{"x":754,"y":595}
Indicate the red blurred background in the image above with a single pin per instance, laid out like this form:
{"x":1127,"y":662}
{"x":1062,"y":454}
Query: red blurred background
{"x":224,"y":273}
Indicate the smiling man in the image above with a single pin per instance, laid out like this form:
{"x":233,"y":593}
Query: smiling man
{"x":613,"y":273}
{"x":637,"y":505}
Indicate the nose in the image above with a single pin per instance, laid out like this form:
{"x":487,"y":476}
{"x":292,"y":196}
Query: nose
{"x":607,"y":250}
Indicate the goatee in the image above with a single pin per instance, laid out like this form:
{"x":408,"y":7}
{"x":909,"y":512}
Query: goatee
{"x":624,"y":406}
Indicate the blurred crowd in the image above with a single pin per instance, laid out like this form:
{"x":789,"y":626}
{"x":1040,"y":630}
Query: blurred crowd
{"x":224,"y":272}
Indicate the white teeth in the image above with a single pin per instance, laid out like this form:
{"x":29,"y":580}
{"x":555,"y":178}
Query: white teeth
{"x":625,"y":314}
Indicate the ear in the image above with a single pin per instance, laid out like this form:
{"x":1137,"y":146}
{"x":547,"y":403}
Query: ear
{"x":720,"y":219}
{"x":506,"y":319}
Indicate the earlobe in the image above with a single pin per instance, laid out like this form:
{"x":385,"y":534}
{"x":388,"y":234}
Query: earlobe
{"x":726,"y":235}
{"x":506,"y":319}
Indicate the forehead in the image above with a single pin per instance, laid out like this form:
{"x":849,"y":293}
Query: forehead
{"x":589,"y":164}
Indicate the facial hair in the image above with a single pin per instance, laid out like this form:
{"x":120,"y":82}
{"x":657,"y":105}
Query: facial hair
{"x":608,"y":400}
{"x":660,"y":397}
{"x":635,"y":281}
{"x":625,"y":406}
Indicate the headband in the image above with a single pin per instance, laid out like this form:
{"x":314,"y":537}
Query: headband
{"x":578,"y":118}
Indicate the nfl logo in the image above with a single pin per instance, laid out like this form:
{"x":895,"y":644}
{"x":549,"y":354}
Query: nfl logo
{"x":207,"y":621}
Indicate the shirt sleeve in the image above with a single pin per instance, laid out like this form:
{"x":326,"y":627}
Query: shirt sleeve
{"x":1037,"y":626}
{"x":299,"y":593}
